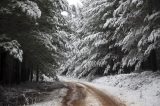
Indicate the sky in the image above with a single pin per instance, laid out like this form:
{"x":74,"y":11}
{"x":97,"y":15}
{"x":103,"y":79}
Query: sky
{"x":75,"y":2}
{"x":72,"y":2}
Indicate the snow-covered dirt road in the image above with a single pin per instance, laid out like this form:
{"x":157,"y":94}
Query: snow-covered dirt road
{"x":135,"y":89}
{"x":82,"y":94}
{"x":76,"y":93}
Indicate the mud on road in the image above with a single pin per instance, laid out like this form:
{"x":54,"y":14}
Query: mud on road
{"x":80,"y":94}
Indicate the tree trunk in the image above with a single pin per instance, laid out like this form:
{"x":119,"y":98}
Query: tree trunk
{"x":31,"y":75}
{"x":154,"y":60}
{"x":1,"y":71}
{"x":150,"y":6}
{"x":18,"y":71}
{"x":3,"y":66}
{"x":28,"y":74}
{"x":37,"y":74}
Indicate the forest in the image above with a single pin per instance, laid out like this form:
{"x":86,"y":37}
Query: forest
{"x":114,"y":37}
{"x":31,"y":38}
{"x":101,"y":38}
{"x":95,"y":39}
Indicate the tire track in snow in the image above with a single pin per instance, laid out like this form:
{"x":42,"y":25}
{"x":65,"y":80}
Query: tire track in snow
{"x":80,"y":94}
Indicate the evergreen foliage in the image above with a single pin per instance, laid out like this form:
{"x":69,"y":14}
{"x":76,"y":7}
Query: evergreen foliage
{"x":36,"y":26}
{"x":116,"y":36}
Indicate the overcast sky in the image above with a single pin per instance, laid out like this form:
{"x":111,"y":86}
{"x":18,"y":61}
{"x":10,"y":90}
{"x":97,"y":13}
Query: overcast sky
{"x":75,"y":2}
{"x":72,"y":2}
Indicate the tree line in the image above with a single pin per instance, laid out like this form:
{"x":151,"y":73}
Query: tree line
{"x":115,"y":36}
{"x":31,"y":38}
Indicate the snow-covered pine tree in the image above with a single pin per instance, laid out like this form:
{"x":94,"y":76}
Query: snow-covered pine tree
{"x":35,"y":25}
{"x":93,"y":46}
{"x":115,"y":37}
{"x":134,"y":31}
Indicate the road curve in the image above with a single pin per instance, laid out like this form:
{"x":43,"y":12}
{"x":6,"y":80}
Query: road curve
{"x":81,"y":94}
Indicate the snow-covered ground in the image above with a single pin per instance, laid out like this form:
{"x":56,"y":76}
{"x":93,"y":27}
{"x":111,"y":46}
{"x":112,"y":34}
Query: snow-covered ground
{"x":134,"y":89}
{"x":54,"y":99}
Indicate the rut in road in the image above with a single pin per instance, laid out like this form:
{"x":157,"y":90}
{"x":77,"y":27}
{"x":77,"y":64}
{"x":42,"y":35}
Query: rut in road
{"x":80,"y":94}
{"x":75,"y":96}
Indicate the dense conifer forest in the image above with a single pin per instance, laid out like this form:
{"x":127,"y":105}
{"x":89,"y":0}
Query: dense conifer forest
{"x":114,"y":37}
{"x":65,"y":52}
{"x":100,"y":37}
{"x":31,"y":38}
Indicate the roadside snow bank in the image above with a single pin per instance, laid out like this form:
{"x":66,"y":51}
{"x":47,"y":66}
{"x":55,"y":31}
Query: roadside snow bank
{"x":136,"y":89}
{"x":54,"y":99}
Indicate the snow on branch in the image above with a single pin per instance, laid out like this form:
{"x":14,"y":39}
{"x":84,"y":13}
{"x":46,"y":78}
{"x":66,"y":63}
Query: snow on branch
{"x":13,"y":47}
{"x":30,"y":8}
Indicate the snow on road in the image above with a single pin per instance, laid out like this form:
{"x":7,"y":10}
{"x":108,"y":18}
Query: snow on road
{"x":135,"y":89}
{"x":82,"y":94}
